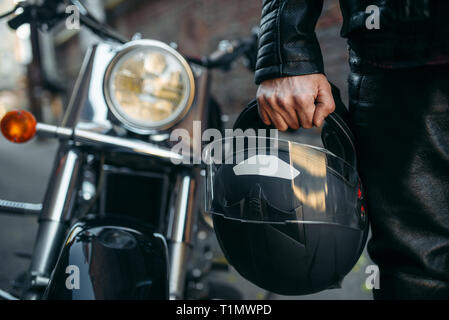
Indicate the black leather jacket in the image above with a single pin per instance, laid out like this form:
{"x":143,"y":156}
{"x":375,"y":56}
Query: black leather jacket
{"x":412,"y":33}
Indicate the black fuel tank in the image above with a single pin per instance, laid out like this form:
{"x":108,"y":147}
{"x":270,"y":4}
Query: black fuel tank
{"x":100,"y":262}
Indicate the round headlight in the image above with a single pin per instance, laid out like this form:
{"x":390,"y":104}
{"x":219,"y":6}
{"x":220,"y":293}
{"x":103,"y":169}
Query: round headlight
{"x":148,"y":86}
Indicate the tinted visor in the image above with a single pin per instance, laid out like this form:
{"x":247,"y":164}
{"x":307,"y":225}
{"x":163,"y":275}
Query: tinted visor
{"x":264,"y":180}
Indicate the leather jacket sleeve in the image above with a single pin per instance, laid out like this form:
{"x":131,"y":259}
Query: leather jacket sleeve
{"x":287,"y":42}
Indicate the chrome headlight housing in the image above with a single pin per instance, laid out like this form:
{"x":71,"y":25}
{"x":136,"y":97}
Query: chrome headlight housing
{"x":148,"y":86}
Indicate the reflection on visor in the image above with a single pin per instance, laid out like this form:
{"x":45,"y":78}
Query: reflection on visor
{"x":308,"y":185}
{"x":314,"y":164}
{"x":255,"y":206}
{"x":266,"y":165}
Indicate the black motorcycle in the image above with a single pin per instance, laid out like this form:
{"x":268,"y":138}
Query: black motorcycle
{"x":119,"y":218}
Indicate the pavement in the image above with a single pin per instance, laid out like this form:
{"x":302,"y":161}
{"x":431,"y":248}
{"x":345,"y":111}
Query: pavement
{"x":24,"y":172}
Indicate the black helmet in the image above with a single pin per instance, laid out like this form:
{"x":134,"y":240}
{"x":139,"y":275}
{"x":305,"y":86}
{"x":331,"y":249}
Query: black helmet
{"x":288,"y":210}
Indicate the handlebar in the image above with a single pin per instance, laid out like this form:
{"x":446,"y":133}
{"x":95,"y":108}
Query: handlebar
{"x":230,"y":51}
{"x":10,"y":12}
{"x":19,"y":207}
{"x":102,"y":140}
{"x":46,"y":14}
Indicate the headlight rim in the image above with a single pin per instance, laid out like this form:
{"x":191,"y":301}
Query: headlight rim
{"x":134,"y":125}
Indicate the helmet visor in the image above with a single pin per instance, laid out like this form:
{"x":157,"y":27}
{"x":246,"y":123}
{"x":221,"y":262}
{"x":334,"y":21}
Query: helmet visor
{"x":264,"y":180}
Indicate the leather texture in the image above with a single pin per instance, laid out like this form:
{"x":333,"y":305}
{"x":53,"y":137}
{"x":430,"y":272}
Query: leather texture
{"x":287,"y":42}
{"x":412,"y":33}
{"x":400,"y":118}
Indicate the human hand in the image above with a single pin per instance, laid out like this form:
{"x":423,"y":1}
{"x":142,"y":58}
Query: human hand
{"x":298,"y":101}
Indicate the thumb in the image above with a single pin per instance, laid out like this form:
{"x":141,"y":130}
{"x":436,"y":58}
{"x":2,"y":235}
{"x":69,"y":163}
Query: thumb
{"x":324,"y":105}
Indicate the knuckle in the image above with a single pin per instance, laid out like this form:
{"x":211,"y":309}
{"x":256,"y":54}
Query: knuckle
{"x":300,"y":99}
{"x":329,"y":107}
{"x":304,"y":99}
{"x":307,"y":125}
{"x":280,"y":101}
{"x":271,"y":99}
{"x":309,"y":109}
{"x":307,"y":121}
{"x":287,"y":98}
{"x":289,"y":102}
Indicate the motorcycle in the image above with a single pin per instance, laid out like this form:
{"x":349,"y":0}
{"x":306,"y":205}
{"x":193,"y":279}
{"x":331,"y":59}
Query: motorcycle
{"x":119,"y":219}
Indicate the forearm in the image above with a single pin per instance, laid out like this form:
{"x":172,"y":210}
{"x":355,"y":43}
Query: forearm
{"x":287,"y":42}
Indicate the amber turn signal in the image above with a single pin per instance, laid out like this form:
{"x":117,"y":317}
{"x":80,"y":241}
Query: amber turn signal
{"x":18,"y":126}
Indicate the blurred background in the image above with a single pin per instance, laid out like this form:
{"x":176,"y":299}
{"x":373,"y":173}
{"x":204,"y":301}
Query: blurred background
{"x":38,"y":70}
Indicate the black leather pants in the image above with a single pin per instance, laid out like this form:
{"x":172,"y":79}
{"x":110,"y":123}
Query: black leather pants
{"x":401,"y":122}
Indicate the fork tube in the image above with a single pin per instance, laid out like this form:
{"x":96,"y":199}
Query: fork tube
{"x":53,"y":222}
{"x":179,"y":233}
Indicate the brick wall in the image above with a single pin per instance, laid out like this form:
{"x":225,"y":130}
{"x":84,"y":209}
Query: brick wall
{"x":198,"y":25}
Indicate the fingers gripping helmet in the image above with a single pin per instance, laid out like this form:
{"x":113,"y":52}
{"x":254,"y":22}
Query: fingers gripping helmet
{"x":288,"y":210}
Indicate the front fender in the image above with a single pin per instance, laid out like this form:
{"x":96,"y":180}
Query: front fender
{"x":110,"y":262}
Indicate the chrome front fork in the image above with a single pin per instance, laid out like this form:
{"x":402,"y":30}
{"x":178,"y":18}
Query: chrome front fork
{"x":180,"y":232}
{"x":54,"y":220}
{"x":57,"y":211}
